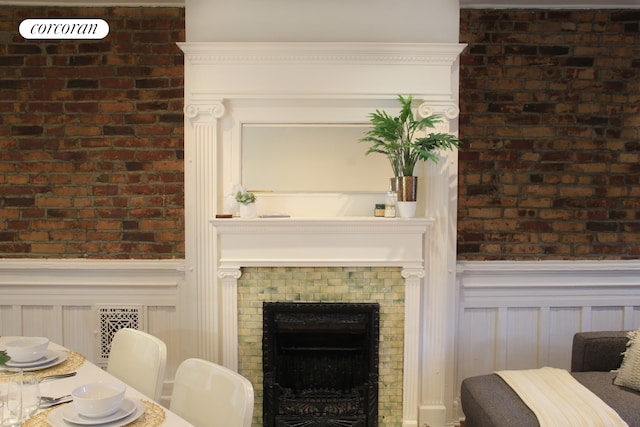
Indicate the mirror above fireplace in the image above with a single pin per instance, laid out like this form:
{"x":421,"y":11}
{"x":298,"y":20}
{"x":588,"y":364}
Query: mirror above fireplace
{"x":311,"y":157}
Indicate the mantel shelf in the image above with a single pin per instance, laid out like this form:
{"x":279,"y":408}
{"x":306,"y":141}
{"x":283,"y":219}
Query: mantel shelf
{"x":321,"y":223}
{"x":343,"y":241}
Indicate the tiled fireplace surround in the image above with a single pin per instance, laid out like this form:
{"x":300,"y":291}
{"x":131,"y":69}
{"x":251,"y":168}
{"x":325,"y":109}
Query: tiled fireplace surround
{"x":306,"y":244}
{"x":228,"y":84}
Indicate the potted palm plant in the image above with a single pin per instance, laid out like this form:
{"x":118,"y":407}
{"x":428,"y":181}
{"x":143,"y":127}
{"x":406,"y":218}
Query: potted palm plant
{"x":398,"y":139}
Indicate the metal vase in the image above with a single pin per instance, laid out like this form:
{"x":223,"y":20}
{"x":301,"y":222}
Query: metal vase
{"x":393,"y":184}
{"x":407,"y":188}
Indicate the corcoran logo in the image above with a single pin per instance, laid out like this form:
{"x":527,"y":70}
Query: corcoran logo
{"x":76,"y":28}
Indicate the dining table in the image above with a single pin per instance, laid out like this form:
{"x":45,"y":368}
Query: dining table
{"x":58,"y":360}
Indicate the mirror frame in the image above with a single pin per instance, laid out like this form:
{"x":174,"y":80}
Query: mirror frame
{"x":288,"y":111}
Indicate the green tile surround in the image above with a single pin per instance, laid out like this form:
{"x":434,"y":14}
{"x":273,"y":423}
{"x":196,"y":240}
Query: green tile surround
{"x":383,"y":285}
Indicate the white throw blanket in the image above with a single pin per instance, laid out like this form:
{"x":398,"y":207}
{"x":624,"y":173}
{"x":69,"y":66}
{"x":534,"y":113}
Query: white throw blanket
{"x":559,"y":400}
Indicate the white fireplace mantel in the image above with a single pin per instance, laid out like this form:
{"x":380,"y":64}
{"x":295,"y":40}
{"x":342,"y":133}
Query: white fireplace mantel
{"x":229,"y":84}
{"x":341,"y":242}
{"x":318,"y":242}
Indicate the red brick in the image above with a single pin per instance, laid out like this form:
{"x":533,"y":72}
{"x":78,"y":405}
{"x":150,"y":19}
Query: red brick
{"x":581,"y":157}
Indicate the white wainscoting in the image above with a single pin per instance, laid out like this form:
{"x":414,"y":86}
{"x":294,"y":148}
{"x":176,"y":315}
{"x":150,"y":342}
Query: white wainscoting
{"x":519,"y":315}
{"x":512,"y":315}
{"x":58,"y":298}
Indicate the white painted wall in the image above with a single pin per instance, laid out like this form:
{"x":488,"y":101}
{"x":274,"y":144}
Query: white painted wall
{"x":399,"y":21}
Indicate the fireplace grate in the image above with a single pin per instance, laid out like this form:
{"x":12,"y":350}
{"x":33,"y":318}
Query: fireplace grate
{"x":320,"y":364}
{"x":322,"y":403}
{"x":320,"y":422}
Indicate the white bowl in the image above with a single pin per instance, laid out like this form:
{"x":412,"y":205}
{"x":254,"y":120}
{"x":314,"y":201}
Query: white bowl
{"x":27,"y":349}
{"x":98,"y":400}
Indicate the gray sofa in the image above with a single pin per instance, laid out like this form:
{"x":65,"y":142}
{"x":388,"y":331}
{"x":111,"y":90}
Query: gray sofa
{"x":487,"y":401}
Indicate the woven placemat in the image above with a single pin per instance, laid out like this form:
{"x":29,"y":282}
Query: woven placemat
{"x":153,"y":417}
{"x":73,"y":362}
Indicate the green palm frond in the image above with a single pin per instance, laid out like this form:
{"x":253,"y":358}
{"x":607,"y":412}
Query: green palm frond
{"x":4,"y":358}
{"x":394,"y":137}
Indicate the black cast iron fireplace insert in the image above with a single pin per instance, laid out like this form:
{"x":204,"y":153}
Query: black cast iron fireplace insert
{"x":320,"y":364}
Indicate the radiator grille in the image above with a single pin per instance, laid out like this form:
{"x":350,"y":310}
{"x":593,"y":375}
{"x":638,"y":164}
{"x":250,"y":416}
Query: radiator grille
{"x":111,"y":319}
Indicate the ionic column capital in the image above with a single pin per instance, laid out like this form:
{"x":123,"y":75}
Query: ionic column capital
{"x":412,"y":273}
{"x":229,"y":273}
{"x":204,"y":112}
{"x":448,"y":109}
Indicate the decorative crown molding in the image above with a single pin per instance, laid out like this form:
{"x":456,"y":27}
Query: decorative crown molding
{"x":312,"y":53}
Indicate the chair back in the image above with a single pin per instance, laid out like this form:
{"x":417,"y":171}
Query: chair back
{"x":140,"y":360}
{"x":207,"y":394}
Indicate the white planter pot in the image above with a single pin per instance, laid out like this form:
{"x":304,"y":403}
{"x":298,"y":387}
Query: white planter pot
{"x":248,"y":210}
{"x":406,"y":209}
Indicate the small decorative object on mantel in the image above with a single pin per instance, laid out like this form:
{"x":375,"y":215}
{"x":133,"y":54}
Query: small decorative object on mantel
{"x":396,"y":138}
{"x":247,"y":202}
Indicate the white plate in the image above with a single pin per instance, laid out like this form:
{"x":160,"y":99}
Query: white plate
{"x":56,"y":418}
{"x":49,"y":355}
{"x":50,"y":358}
{"x":70,"y":414}
{"x":61,"y":357}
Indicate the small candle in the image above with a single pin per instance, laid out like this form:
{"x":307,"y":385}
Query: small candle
{"x":390,"y":211}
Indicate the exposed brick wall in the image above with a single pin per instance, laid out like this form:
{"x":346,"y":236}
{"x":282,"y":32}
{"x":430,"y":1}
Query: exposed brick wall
{"x":550,"y":119}
{"x":91,"y":137}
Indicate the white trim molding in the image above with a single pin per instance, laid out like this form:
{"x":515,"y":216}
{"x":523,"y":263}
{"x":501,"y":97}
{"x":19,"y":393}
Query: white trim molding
{"x":77,"y":281}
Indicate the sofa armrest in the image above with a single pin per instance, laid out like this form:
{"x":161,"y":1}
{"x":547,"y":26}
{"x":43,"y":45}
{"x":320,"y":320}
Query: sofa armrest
{"x":598,"y":351}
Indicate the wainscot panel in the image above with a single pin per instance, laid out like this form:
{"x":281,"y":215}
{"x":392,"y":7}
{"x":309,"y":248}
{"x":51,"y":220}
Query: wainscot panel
{"x":61,"y":299}
{"x":521,"y":314}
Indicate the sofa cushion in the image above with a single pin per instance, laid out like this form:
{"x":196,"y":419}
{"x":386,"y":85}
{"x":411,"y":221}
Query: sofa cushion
{"x":598,"y":351}
{"x":629,"y":372}
{"x":487,"y":401}
{"x":624,"y":401}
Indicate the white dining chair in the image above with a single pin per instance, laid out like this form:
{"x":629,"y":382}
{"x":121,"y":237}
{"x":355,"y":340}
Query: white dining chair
{"x":139,"y":359}
{"x":207,"y":394}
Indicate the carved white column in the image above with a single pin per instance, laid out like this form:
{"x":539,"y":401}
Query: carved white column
{"x":440,"y":193}
{"x":411,"y":370}
{"x":229,"y":304}
{"x":201,"y":172}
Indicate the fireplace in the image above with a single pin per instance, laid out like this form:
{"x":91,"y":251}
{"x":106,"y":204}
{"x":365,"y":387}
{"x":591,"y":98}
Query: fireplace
{"x":301,"y":243}
{"x":320,"y":363}
{"x":230,"y":84}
